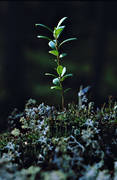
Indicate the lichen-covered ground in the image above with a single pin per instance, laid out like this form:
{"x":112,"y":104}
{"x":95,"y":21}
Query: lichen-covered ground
{"x":79,"y":143}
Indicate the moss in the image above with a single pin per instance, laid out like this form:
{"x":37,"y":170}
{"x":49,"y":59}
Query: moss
{"x":74,"y":143}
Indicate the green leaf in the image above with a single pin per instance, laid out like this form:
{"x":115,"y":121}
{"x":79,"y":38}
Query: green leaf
{"x":66,"y":90}
{"x":44,"y":27}
{"x":59,"y":70}
{"x":70,"y":39}
{"x":44,"y":37}
{"x":54,"y":52}
{"x":49,"y":74}
{"x":56,"y":87}
{"x":63,"y":71}
{"x":56,"y":81}
{"x":52,"y":44}
{"x":63,"y":55}
{"x":66,"y":76}
{"x":60,"y":22}
{"x":57,"y":31}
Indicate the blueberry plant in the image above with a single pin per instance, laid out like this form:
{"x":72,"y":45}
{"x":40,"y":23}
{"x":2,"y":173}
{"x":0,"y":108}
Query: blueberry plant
{"x":55,"y":46}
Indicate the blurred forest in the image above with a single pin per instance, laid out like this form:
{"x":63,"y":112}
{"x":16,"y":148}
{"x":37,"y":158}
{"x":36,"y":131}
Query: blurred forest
{"x":24,"y":59}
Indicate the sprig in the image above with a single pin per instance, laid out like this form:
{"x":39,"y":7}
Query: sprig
{"x":55,"y":46}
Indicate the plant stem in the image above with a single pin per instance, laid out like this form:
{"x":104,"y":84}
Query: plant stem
{"x":62,"y":96}
{"x":58,"y":62}
{"x":58,"y":59}
{"x":62,"y":99}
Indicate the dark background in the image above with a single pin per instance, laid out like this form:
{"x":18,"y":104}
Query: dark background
{"x":24,"y":59}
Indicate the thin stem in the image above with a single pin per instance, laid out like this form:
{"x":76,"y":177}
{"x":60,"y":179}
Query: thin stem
{"x":62,"y":96}
{"x":58,"y":62}
{"x":62,"y":99}
{"x":58,"y":59}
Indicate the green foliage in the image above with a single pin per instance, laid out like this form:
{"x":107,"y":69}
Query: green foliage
{"x":67,"y":40}
{"x":54,"y":52}
{"x":56,"y":81}
{"x":55,"y":46}
{"x":44,"y":27}
{"x":44,"y":37}
{"x":63,"y":55}
{"x":52,"y":44}
{"x":59,"y":70}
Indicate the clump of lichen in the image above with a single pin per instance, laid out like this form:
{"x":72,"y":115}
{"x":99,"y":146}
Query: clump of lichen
{"x":77,"y":143}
